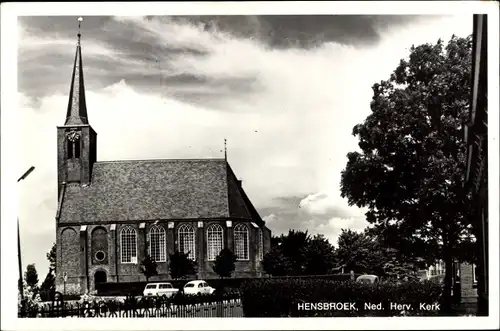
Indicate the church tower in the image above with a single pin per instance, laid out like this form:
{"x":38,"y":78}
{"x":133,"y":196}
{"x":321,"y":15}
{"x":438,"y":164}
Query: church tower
{"x":76,"y":140}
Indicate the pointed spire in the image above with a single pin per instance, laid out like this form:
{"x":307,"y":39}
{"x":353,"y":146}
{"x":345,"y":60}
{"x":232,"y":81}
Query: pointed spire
{"x":77,"y":107}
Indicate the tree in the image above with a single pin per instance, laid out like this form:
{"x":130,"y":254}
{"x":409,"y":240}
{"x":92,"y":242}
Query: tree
{"x":297,"y":253}
{"x":320,"y":256}
{"x":31,"y":276}
{"x":149,"y":267}
{"x":294,"y":248}
{"x":47,"y":289}
{"x":51,"y":256}
{"x":275,"y":263}
{"x":358,"y":252}
{"x":411,"y":166}
{"x":224,"y":263}
{"x":181,"y":265}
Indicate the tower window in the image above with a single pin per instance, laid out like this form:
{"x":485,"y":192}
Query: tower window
{"x":73,"y":147}
{"x":77,"y":149}
{"x":70,"y":149}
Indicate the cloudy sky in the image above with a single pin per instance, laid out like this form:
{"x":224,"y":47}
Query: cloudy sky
{"x":284,"y":90}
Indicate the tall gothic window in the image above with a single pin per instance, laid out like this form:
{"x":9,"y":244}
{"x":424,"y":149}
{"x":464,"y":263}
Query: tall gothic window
{"x":241,"y":241}
{"x":77,"y":149}
{"x":261,"y":245}
{"x":215,"y":241}
{"x":70,"y":149}
{"x":128,"y":245}
{"x":186,"y":240}
{"x":156,"y":239}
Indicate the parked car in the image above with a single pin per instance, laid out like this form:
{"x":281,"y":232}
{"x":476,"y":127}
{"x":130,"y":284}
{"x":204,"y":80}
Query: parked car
{"x":367,"y":279}
{"x":160,"y":289}
{"x":198,"y":287}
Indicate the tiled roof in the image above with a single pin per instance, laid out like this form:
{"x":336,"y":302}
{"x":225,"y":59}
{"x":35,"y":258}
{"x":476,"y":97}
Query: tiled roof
{"x":155,"y":190}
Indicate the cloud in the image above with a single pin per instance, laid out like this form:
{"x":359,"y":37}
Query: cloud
{"x":287,"y":112}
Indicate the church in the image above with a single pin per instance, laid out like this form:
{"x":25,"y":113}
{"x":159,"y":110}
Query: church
{"x":111,"y":214}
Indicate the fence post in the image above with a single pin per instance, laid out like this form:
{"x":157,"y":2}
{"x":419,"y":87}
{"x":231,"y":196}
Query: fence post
{"x":352,"y":275}
{"x":219,"y":310}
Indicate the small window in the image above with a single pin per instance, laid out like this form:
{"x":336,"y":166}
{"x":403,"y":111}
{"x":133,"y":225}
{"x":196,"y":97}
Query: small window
{"x":189,"y":285}
{"x":165,"y":286}
{"x":99,"y":256}
{"x":151,"y":286}
{"x":200,"y":285}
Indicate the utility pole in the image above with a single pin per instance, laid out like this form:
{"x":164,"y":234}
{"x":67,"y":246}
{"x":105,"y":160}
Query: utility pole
{"x":21,"y":285}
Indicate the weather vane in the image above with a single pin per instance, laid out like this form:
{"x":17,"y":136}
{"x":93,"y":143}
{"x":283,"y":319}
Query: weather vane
{"x":80,"y":20}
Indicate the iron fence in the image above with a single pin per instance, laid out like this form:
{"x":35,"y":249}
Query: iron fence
{"x":139,"y":309}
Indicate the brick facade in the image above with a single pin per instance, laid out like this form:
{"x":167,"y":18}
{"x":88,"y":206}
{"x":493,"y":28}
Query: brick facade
{"x":77,"y":247}
{"x":467,"y":283}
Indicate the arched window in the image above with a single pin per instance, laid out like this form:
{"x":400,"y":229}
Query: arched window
{"x":261,"y":245}
{"x":215,"y":241}
{"x":128,"y":245}
{"x":241,"y":242}
{"x":156,"y":239}
{"x":70,"y":149}
{"x":186,"y":240}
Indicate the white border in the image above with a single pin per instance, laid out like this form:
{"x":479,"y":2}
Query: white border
{"x":9,"y":13}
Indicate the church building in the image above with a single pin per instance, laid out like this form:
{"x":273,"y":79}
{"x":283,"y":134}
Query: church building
{"x":111,"y":214}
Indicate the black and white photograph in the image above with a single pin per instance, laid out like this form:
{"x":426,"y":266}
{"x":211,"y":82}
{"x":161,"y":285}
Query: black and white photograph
{"x":249,"y":165}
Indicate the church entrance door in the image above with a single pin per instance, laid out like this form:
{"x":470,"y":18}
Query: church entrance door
{"x":100,"y":277}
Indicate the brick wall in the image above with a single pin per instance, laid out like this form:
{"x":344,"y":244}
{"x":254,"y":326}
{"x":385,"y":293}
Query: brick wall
{"x":77,"y":253}
{"x":468,"y":290}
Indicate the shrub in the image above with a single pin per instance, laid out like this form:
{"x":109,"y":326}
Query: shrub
{"x":281,"y":297}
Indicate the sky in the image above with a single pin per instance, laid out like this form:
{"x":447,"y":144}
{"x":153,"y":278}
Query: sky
{"x":285,"y":91}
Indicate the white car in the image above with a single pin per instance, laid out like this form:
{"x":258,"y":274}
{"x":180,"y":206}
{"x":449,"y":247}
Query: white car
{"x":160,"y":289}
{"x":198,"y":287}
{"x":367,"y":279}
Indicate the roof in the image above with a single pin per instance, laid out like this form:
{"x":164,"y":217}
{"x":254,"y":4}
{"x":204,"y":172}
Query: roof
{"x":142,"y":190}
{"x":77,"y":106}
{"x":367,"y":277}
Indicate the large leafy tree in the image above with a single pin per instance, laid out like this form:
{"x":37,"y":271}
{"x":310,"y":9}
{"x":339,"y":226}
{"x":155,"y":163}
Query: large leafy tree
{"x":359,"y":252}
{"x":320,"y":256}
{"x":297,"y":253}
{"x":410,"y":169}
{"x":294,"y":248}
{"x":275,"y":263}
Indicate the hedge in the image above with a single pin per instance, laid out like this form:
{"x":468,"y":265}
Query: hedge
{"x":297,"y":297}
{"x":137,"y":288}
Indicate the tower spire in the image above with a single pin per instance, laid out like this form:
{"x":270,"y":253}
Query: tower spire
{"x":77,"y":107}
